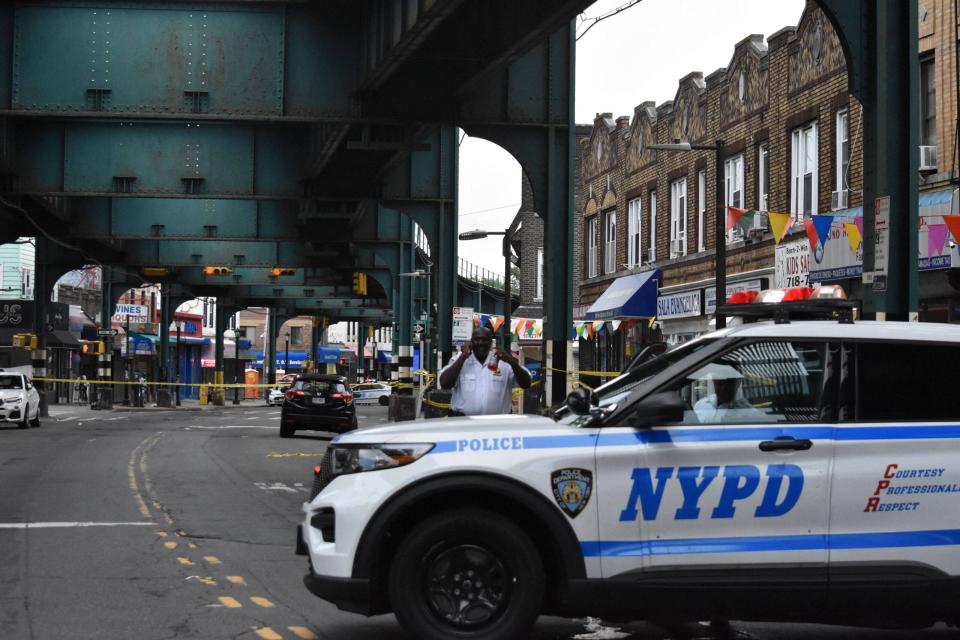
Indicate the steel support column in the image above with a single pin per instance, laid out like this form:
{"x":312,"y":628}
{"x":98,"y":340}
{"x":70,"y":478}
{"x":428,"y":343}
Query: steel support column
{"x":220,"y":326}
{"x":41,"y":298}
{"x":105,"y":365}
{"x":166,"y":316}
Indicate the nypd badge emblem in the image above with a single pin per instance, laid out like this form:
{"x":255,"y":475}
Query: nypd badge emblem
{"x":572,"y":489}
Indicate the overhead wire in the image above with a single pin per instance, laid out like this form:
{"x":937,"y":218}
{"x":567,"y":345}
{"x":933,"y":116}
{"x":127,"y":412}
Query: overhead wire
{"x":595,"y":21}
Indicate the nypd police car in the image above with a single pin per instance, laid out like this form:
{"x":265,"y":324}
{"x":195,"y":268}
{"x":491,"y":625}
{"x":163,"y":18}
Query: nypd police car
{"x":789,"y":470}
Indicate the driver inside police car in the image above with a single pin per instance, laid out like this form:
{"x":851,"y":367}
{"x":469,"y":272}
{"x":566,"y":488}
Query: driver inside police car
{"x":482,"y":377}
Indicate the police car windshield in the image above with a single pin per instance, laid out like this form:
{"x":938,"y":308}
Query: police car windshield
{"x":621,"y":386}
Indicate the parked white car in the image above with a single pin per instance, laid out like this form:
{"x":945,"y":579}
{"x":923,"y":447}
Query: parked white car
{"x":371,"y":392}
{"x":275,"y":399}
{"x":19,"y":400}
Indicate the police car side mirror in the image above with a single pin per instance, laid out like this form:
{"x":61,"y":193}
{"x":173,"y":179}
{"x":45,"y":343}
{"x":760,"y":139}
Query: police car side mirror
{"x":581,"y":400}
{"x":657,"y":409}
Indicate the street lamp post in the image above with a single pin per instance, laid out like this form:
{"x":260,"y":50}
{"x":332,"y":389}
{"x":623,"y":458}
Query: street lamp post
{"x":177,"y":322}
{"x":507,"y":263}
{"x":720,"y":228}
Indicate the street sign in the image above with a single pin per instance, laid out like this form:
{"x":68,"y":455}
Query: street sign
{"x":107,"y":332}
{"x":881,"y":242}
{"x":462,"y":324}
{"x":419,"y":328}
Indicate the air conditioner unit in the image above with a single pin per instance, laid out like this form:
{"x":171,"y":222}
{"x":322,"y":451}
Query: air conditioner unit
{"x":676,"y":247}
{"x":928,"y":158}
{"x":839,"y":199}
{"x":760,"y":222}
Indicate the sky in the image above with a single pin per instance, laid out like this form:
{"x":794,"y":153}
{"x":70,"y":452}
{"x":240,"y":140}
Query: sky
{"x":635,"y":56}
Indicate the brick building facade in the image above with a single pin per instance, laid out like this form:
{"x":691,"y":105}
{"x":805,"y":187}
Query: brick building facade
{"x":792,"y":143}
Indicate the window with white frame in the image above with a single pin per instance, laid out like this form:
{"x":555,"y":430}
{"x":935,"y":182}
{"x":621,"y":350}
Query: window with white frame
{"x":763,"y":177}
{"x":733,"y":189}
{"x":843,"y":156}
{"x":26,"y":284}
{"x":803,"y":171}
{"x":538,"y":293}
{"x":610,"y":241}
{"x":678,"y":218}
{"x":592,"y":247}
{"x":702,"y":210}
{"x":652,"y":249}
{"x":634,"y":227}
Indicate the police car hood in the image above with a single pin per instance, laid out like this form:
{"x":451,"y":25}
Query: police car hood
{"x":450,"y":428}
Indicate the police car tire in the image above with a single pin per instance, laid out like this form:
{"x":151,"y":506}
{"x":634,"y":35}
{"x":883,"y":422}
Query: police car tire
{"x":489,"y":531}
{"x":36,"y":421}
{"x":383,"y":400}
{"x":25,"y":423}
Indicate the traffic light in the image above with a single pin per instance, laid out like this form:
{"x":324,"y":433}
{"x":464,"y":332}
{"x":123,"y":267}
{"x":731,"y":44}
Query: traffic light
{"x":217,"y":270}
{"x":25,"y":341}
{"x":93,"y":347}
{"x":156,"y":272}
{"x":283,"y":271}
{"x":360,"y":283}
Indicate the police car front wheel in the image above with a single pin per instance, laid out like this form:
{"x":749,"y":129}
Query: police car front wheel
{"x":468,"y":574}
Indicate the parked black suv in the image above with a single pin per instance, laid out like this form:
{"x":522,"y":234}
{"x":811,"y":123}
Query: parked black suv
{"x":318,"y":402}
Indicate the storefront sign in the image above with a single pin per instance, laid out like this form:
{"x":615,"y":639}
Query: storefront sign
{"x":123,"y":313}
{"x":679,"y":305}
{"x":881,"y":242}
{"x":834,"y":259}
{"x":462,"y":324}
{"x":792,"y":265}
{"x":732,"y":287}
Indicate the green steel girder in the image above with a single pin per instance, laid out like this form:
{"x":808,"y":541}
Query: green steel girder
{"x":159,"y":158}
{"x":177,"y":253}
{"x":228,"y":61}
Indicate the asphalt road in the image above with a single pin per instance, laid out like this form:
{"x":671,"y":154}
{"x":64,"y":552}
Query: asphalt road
{"x":182,"y":525}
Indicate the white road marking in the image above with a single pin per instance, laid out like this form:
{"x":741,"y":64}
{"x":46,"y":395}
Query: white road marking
{"x":67,"y":419}
{"x":67,"y":525}
{"x":598,"y":631}
{"x":274,"y":486}
{"x":254,"y":418}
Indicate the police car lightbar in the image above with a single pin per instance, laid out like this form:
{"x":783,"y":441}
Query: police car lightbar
{"x":824,"y":302}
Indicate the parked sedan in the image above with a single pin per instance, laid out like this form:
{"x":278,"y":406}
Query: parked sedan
{"x":19,"y":400}
{"x":276,"y":396}
{"x":370,"y":392}
{"x":320,"y":403}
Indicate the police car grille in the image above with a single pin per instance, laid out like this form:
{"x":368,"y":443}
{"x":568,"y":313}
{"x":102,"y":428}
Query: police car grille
{"x":325,"y":477}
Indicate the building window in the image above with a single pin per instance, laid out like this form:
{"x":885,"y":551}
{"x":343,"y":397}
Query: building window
{"x":634,"y":227}
{"x":763,"y":177}
{"x":652,"y":249}
{"x":843,"y":158}
{"x":248,"y":333}
{"x":592,"y":247}
{"x":296,"y":335}
{"x":702,"y":210}
{"x":26,"y":284}
{"x":803,"y":198}
{"x":928,"y":103}
{"x":733,"y":189}
{"x":610,"y":241}
{"x":678,"y":218}
{"x":538,"y":294}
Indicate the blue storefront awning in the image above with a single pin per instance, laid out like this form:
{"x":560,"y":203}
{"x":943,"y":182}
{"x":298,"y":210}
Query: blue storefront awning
{"x":633,"y":296}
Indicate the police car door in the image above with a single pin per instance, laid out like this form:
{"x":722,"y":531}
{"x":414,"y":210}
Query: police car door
{"x":739,"y":487}
{"x":895,"y":516}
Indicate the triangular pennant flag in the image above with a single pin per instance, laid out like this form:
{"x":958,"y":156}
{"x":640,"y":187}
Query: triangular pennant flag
{"x":853,"y":236}
{"x":953,"y":223}
{"x":733,"y":216}
{"x":811,"y":235}
{"x":496,"y":322}
{"x":476,"y":320}
{"x":779,"y":223}
{"x":615,"y":325}
{"x":936,"y":236}
{"x":859,"y":222}
{"x":823,"y":224}
{"x":484,"y":319}
{"x":537,"y":328}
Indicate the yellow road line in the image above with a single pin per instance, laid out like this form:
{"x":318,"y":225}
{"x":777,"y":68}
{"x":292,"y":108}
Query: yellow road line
{"x":207,"y":581}
{"x":230,"y":603}
{"x":237,"y":580}
{"x":212,"y":559}
{"x":191,"y":545}
{"x":170,"y":545}
{"x":263,"y":602}
{"x":268,"y":634}
{"x":162,"y":534}
{"x":303,"y":632}
{"x":187,"y":562}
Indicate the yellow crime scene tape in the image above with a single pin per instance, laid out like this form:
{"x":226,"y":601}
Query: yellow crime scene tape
{"x":576,"y":372}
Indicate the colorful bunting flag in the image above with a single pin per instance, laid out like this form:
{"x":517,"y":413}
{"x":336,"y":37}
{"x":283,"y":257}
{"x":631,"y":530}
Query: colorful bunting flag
{"x":811,"y":235}
{"x":823,"y":224}
{"x":853,"y":236}
{"x":496,"y":322}
{"x":953,"y":223}
{"x":936,"y":236}
{"x":615,"y":325}
{"x":476,"y":320}
{"x":733,"y":216}
{"x":779,"y":224}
